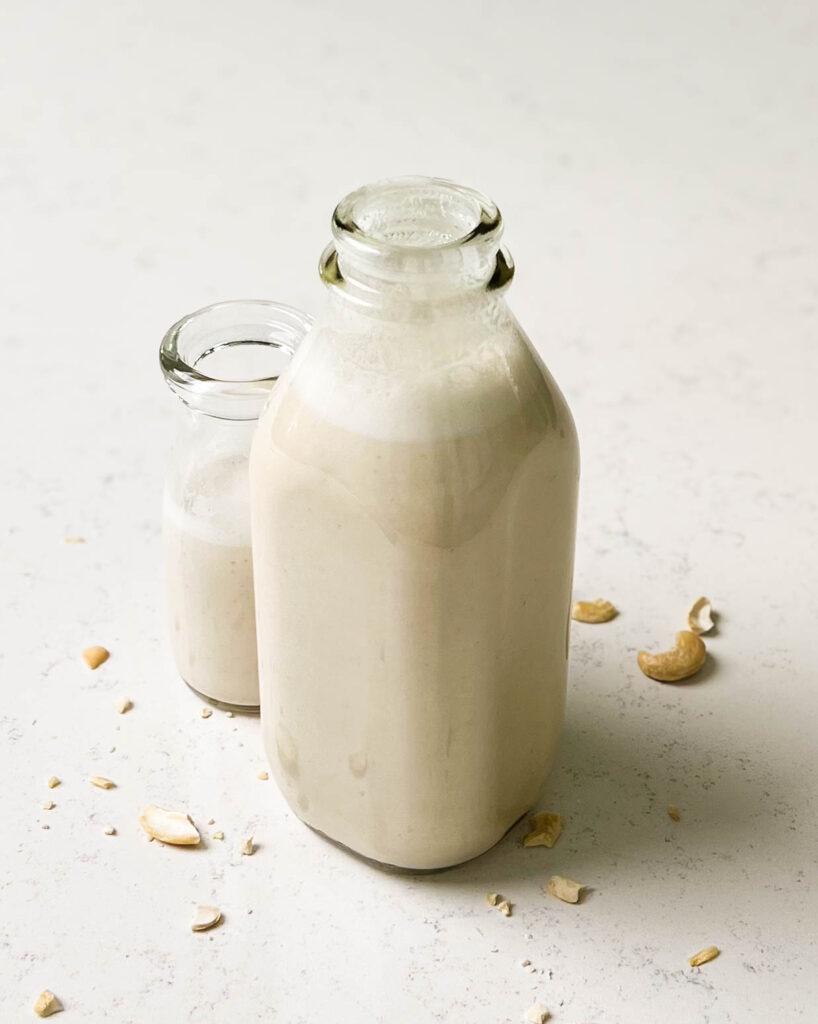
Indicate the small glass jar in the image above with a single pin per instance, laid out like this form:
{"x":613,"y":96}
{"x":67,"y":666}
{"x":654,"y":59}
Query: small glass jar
{"x":222,"y":362}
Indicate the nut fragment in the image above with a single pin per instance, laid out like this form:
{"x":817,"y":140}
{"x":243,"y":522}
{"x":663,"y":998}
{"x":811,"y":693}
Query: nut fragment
{"x":101,"y":782}
{"x":504,"y":908}
{"x":207,"y":712}
{"x":49,"y":805}
{"x":229,"y":714}
{"x":73,"y":540}
{"x":593,"y":611}
{"x":171,"y":827}
{"x":546,"y":829}
{"x":53,"y":782}
{"x":492,"y":898}
{"x":681,"y":662}
{"x":109,"y":830}
{"x":218,"y":835}
{"x":537,"y":1014}
{"x":204,"y":918}
{"x":700,"y":616}
{"x":674,"y":813}
{"x":565,"y":889}
{"x":95,"y":656}
{"x":263,"y":776}
{"x":248,"y":847}
{"x":47,"y":1003}
{"x":704,"y":956}
{"x":123,"y":704}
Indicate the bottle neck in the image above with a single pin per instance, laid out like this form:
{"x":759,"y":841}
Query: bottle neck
{"x":411,"y":244}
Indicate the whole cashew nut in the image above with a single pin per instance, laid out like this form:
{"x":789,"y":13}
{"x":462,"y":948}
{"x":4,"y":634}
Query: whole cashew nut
{"x":683,"y":661}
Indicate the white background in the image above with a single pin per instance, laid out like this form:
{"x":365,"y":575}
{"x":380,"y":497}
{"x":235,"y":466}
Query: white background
{"x":656,"y":164}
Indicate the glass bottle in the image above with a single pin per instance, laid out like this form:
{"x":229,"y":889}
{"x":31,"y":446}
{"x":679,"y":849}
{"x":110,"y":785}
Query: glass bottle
{"x":413,"y":498}
{"x":222,"y":362}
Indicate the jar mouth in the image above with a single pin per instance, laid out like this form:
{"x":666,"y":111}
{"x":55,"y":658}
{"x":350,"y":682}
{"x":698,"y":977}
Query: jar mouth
{"x":224,"y":359}
{"x":414,"y":215}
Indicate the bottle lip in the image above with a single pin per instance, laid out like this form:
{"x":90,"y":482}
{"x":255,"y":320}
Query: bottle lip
{"x":415,"y":215}
{"x":221,"y":329}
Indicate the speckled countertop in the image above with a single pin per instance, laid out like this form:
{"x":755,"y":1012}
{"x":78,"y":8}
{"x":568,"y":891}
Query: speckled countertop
{"x":656,"y":165}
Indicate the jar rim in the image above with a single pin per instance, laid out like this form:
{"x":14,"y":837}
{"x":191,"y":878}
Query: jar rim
{"x":224,"y":325}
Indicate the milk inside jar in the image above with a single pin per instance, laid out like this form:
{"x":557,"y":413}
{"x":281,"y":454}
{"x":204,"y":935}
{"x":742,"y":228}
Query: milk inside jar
{"x":222,"y":362}
{"x":413,"y":498}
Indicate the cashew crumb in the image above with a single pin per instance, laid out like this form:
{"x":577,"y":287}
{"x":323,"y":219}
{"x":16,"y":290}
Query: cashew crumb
{"x":704,"y":956}
{"x":229,"y":714}
{"x":123,"y":704}
{"x":73,"y":540}
{"x":537,"y":1014}
{"x":565,"y":889}
{"x":53,"y":782}
{"x":95,"y":656}
{"x":248,"y":847}
{"x":218,"y":835}
{"x":546,"y":829}
{"x":47,"y":1003}
{"x":207,"y":712}
{"x":492,"y":898}
{"x":49,"y":805}
{"x":263,"y":776}
{"x":674,"y":813}
{"x":109,"y":830}
{"x":504,"y":908}
{"x":101,"y":783}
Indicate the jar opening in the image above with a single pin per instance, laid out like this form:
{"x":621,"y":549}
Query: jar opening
{"x":223,"y":360}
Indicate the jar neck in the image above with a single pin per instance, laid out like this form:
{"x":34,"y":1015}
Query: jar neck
{"x":410,"y":243}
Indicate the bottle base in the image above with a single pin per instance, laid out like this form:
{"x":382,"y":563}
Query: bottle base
{"x":223,"y":705}
{"x":396,"y":869}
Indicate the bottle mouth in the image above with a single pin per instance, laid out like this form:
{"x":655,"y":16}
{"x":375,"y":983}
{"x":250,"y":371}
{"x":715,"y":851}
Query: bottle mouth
{"x":224,"y":360}
{"x":414,"y":215}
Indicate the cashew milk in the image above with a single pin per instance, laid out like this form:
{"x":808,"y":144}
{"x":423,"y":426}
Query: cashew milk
{"x":413,"y":502}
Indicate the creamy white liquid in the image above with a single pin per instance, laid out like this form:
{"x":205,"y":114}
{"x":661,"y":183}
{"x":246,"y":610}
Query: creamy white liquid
{"x":413,"y":554}
{"x":209,"y":572}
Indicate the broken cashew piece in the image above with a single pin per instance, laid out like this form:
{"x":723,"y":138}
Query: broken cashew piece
{"x":101,"y":782}
{"x":504,"y":908}
{"x":172,"y":827}
{"x":123,"y":704}
{"x":492,"y":898}
{"x":681,"y":662}
{"x":47,"y":1003}
{"x":593,"y":611}
{"x":204,"y":918}
{"x":674,"y":813}
{"x":546,"y":829}
{"x":700,"y":616}
{"x":95,"y":656}
{"x":248,"y":847}
{"x":53,"y":782}
{"x":537,"y":1014}
{"x":704,"y":956}
{"x":565,"y":889}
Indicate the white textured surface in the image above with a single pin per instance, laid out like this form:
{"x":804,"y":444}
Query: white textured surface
{"x":656,"y":164}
